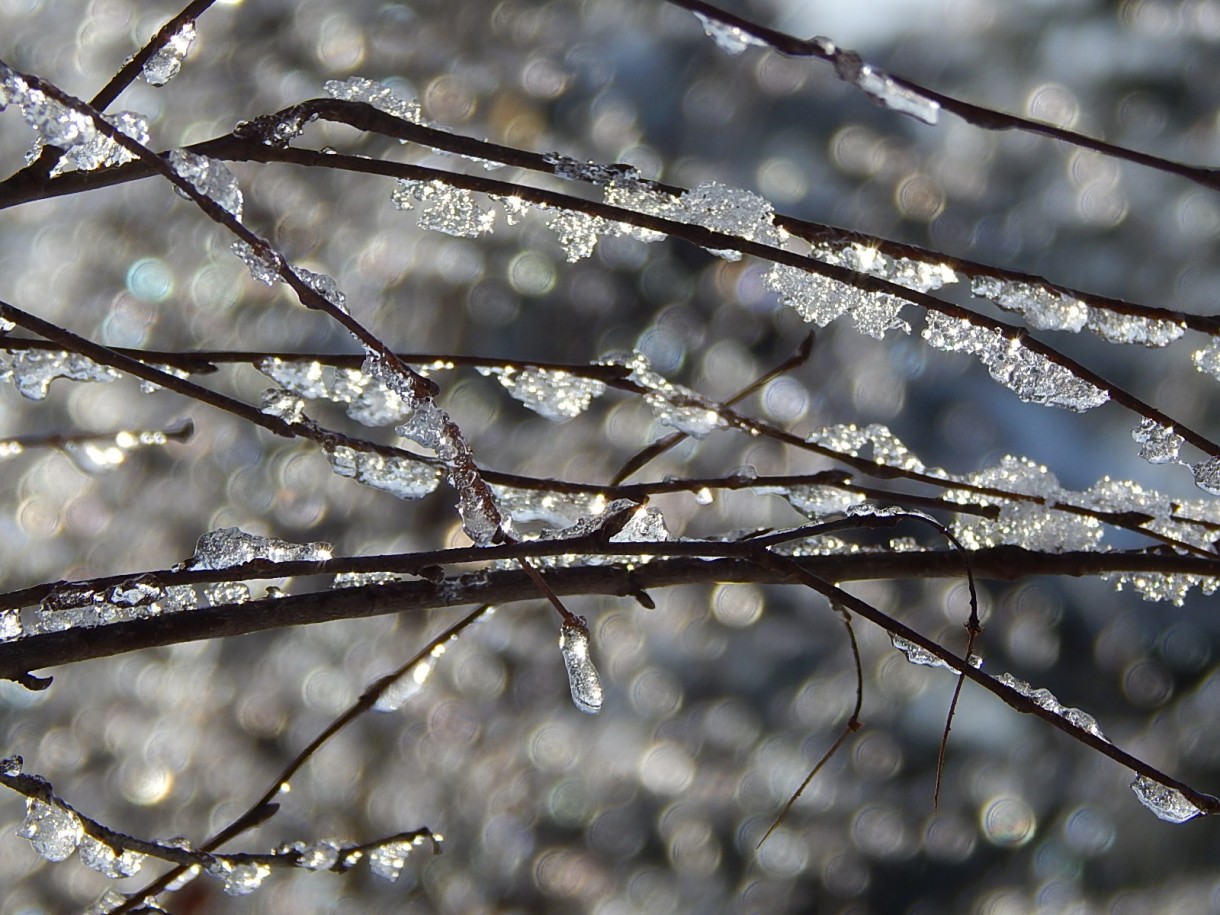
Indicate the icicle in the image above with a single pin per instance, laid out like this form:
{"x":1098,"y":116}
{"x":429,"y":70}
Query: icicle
{"x":231,"y":546}
{"x":165,"y":64}
{"x":1169,"y":804}
{"x":582,"y":675}
{"x":556,"y":395}
{"x":54,"y":831}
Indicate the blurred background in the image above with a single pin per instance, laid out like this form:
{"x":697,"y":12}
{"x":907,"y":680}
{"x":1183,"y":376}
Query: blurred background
{"x":720,"y":699}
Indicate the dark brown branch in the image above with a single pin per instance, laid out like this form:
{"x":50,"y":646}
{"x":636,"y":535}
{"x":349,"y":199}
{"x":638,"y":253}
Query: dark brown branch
{"x":847,"y":62}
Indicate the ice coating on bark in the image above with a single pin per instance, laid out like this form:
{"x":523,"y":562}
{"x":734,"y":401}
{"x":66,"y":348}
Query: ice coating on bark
{"x":377,"y":94}
{"x":1169,"y":804}
{"x":819,"y":300}
{"x":264,"y":267}
{"x":552,"y":393}
{"x":889,"y":92}
{"x":231,"y":546}
{"x":729,"y":38}
{"x":447,"y":209}
{"x":166,"y":63}
{"x":388,"y":860}
{"x":1116,"y":327}
{"x":99,"y":856}
{"x":1046,"y":699}
{"x":921,"y":657}
{"x":583,"y":679}
{"x":1031,"y":376}
{"x":920,"y":275}
{"x":673,"y":405}
{"x":1042,"y":307}
{"x":400,"y":477}
{"x":32,"y":371}
{"x":211,"y":178}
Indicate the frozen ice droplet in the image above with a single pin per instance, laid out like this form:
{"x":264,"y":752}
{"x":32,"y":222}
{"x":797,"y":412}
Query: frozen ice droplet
{"x":53,"y":830}
{"x":239,"y":879}
{"x":582,"y":675}
{"x":1169,"y":804}
{"x":165,"y":64}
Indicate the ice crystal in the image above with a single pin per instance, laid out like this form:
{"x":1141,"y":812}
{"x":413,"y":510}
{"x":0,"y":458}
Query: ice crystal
{"x":728,"y":38}
{"x":100,"y":151}
{"x":816,"y":501}
{"x":239,"y":879}
{"x":554,"y":394}
{"x":1159,"y":444}
{"x":367,"y":398}
{"x":360,"y":579}
{"x":578,"y":233}
{"x":819,"y":300}
{"x":874,"y":440}
{"x":920,"y":275}
{"x":165,"y":64}
{"x":321,"y":856}
{"x":56,"y":124}
{"x":447,"y":209}
{"x":388,"y":860}
{"x":732,"y":211}
{"x":674,"y":405}
{"x":1207,"y":475}
{"x":10,"y":624}
{"x":1031,"y":376}
{"x":231,"y":546}
{"x":32,"y":371}
{"x":1042,"y":307}
{"x":54,"y":831}
{"x":1169,"y":804}
{"x":99,"y":856}
{"x":1116,"y":327}
{"x":1208,"y":359}
{"x":211,"y":178}
{"x":558,"y":510}
{"x":264,"y":267}
{"x":401,"y":477}
{"x":890,"y":93}
{"x":299,"y":376}
{"x":225,"y":593}
{"x":647,"y":525}
{"x":379,"y":95}
{"x":283,"y":405}
{"x":921,"y":657}
{"x":1032,"y":525}
{"x":583,"y":678}
{"x":1044,"y":698}
{"x":1160,"y":586}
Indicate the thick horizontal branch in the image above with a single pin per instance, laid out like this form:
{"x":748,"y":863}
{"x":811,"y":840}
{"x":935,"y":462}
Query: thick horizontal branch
{"x":1001,"y":563}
